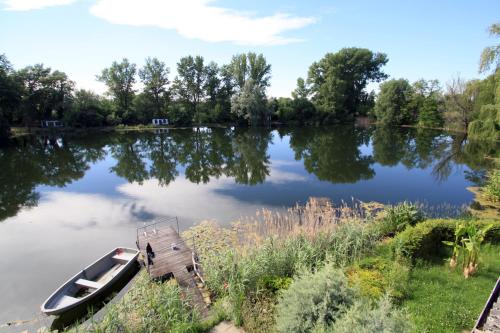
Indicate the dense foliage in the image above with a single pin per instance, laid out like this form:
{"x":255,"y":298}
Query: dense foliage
{"x":338,"y":81}
{"x":400,"y":103}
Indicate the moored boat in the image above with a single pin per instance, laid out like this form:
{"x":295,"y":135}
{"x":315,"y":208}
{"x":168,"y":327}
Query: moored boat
{"x":90,"y":282}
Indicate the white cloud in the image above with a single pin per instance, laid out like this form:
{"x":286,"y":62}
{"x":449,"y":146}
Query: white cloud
{"x":199,"y":19}
{"x":34,"y":4}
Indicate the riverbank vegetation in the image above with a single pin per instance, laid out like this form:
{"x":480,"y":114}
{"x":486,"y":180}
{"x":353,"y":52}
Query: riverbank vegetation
{"x":204,"y":92}
{"x":319,"y":268}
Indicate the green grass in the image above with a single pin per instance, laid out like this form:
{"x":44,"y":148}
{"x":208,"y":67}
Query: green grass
{"x":441,"y":300}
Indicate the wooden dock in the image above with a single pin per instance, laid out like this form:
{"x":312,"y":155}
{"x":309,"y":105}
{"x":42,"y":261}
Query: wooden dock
{"x":172,"y":259}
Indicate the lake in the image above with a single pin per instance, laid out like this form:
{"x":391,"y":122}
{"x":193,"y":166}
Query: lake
{"x":67,"y":199}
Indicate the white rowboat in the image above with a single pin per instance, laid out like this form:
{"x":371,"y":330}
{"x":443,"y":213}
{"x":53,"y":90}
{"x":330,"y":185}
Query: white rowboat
{"x":90,"y":282}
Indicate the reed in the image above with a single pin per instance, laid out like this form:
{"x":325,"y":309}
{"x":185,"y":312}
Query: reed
{"x":317,"y":217}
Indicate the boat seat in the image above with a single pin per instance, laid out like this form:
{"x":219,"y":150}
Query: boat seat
{"x":65,"y":301}
{"x":88,"y":284}
{"x":124,"y":256}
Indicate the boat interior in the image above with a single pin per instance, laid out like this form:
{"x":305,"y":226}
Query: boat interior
{"x":92,"y":278}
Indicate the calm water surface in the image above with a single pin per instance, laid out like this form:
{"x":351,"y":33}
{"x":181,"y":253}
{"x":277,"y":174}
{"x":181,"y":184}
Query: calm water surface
{"x":66,"y":200}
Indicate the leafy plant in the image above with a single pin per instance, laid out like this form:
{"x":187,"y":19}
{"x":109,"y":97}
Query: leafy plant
{"x":468,"y":240}
{"x":472,"y":245}
{"x":314,"y":299}
{"x":398,"y":218}
{"x":456,"y":244}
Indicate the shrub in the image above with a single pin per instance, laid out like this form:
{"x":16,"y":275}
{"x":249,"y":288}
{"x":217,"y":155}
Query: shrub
{"x":424,"y":240}
{"x":492,"y":187}
{"x":371,"y":283}
{"x":274,"y":283}
{"x":382,"y":318}
{"x":375,"y":277}
{"x":398,"y":217}
{"x":314,"y":300}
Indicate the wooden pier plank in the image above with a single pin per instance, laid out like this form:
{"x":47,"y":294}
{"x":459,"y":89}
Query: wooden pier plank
{"x":168,"y":261}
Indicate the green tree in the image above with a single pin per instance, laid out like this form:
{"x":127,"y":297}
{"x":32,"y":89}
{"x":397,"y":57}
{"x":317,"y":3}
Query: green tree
{"x":45,"y":94}
{"x":427,"y":103}
{"x":10,"y":96}
{"x":486,"y":126}
{"x":120,"y":79}
{"x":88,"y":110}
{"x":431,"y":113}
{"x":302,"y":91}
{"x":393,"y":102}
{"x":244,"y":67}
{"x":491,"y":54}
{"x":145,"y":108}
{"x":190,"y":82}
{"x":250,"y":104}
{"x":154,"y":76}
{"x":460,"y":103}
{"x":297,"y":110}
{"x":338,"y":81}
{"x":212,"y":83}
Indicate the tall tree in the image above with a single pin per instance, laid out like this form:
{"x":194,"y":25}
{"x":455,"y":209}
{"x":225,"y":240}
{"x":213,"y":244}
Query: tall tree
{"x":250,"y":104}
{"x":212,"y":83}
{"x":45,"y":94}
{"x":302,"y":91}
{"x":338,"y":80}
{"x":9,"y":96}
{"x":190,"y":82}
{"x":32,"y":79}
{"x":120,"y":79}
{"x":427,"y":103}
{"x":250,"y":66}
{"x":392,"y":106}
{"x":154,"y":76}
{"x":460,"y":99}
{"x":491,"y":54}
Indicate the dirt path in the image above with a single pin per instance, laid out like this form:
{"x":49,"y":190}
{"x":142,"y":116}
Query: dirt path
{"x":226,"y":327}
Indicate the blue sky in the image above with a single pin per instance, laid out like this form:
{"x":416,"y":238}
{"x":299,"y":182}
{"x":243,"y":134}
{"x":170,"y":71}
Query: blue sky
{"x":423,"y":39}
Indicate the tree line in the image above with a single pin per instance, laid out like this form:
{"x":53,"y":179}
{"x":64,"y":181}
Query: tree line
{"x":202,"y":92}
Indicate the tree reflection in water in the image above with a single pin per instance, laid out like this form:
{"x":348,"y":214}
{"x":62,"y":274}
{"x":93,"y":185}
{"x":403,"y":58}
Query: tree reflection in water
{"x":341,"y":154}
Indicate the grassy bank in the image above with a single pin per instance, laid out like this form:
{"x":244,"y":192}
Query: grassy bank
{"x":20,"y":131}
{"x":441,"y":300}
{"x":320,"y":268}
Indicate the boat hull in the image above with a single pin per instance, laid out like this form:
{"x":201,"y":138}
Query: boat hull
{"x":91,"y":282}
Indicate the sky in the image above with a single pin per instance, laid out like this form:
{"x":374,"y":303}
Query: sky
{"x":436,"y":39}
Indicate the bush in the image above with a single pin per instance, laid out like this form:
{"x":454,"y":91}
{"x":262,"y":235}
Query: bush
{"x":425,"y":239}
{"x":382,"y":318}
{"x":375,"y":277}
{"x":398,"y":218}
{"x":274,"y":283}
{"x":492,"y":187}
{"x":314,"y":300}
